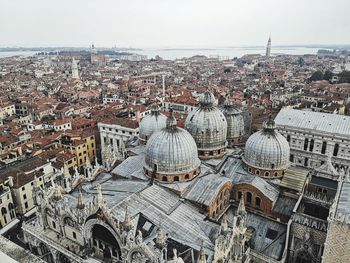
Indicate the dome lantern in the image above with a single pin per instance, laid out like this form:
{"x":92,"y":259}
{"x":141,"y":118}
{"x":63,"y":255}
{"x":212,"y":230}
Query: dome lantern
{"x":171,"y":121}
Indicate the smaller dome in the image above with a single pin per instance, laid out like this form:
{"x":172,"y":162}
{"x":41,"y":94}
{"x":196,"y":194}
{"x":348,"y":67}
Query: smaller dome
{"x":267,"y":151}
{"x":171,"y":154}
{"x":208,"y":126}
{"x":235,"y":124}
{"x":152,"y":123}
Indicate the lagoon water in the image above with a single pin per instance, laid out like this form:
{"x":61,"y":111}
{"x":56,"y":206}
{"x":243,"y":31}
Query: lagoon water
{"x":230,"y":52}
{"x":175,"y":53}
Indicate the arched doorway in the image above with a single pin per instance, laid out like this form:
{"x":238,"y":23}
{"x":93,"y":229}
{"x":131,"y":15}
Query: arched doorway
{"x":63,"y":258}
{"x":45,"y":253}
{"x":105,"y":243}
{"x":304,"y":257}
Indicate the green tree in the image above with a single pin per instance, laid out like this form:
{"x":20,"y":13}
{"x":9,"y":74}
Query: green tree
{"x":317,"y":75}
{"x":328,"y":75}
{"x":344,"y":77}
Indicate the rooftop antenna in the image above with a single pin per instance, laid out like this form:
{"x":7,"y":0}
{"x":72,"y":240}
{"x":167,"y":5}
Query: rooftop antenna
{"x":163,"y":85}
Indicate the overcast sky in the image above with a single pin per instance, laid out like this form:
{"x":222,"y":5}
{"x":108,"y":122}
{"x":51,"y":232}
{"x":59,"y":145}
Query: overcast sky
{"x":160,"y":23}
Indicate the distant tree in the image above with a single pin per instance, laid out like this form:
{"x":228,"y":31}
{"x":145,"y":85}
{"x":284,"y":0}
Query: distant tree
{"x":317,"y":75}
{"x":344,"y":77}
{"x":301,"y":61}
{"x":328,"y":75}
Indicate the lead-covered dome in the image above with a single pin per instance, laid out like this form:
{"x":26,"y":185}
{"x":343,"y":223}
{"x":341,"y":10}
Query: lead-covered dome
{"x":267,"y":152}
{"x":151,"y":123}
{"x":171,"y":154}
{"x":208,"y":126}
{"x":235,"y":124}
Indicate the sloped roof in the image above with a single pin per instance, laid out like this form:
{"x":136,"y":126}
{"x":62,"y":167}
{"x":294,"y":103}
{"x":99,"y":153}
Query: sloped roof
{"x":316,"y":121}
{"x":294,"y":178}
{"x":205,"y":189}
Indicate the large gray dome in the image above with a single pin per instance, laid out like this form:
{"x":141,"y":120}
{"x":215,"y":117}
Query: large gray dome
{"x":152,"y":123}
{"x":208,"y":126}
{"x":172,"y":154}
{"x":235,"y":124}
{"x":267,"y":151}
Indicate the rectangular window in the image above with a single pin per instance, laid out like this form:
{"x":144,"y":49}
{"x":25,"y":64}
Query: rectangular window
{"x":26,"y":204}
{"x":74,"y":235}
{"x":24,"y":196}
{"x":23,"y":188}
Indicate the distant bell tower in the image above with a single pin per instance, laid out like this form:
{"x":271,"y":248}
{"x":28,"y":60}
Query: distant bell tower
{"x":268,"y":48}
{"x":75,"y":70}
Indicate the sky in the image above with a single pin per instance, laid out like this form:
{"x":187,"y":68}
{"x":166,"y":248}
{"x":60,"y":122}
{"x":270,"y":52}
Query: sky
{"x":173,"y":23}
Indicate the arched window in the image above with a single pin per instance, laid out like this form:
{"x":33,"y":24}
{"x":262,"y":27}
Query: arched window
{"x":3,"y":211}
{"x":164,"y":179}
{"x":249,"y":169}
{"x":324,"y":147}
{"x":187,"y":176}
{"x":267,"y":174}
{"x":257,"y":202}
{"x":291,"y":158}
{"x":249,"y":197}
{"x":288,"y":138}
{"x":336,"y":149}
{"x":276,"y":174}
{"x":257,"y":172}
{"x":312,"y":142}
{"x":240,"y":194}
{"x":306,"y":144}
{"x":176,"y":179}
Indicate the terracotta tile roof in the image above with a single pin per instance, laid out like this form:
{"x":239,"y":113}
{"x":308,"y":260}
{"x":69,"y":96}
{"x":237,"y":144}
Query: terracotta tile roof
{"x":133,"y":124}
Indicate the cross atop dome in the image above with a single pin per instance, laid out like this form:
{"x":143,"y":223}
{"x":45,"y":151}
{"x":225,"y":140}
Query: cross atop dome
{"x":171,"y":121}
{"x":269,"y":125}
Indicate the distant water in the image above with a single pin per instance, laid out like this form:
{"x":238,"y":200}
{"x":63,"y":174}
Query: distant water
{"x":230,"y":52}
{"x":4,"y":54}
{"x":175,"y":53}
